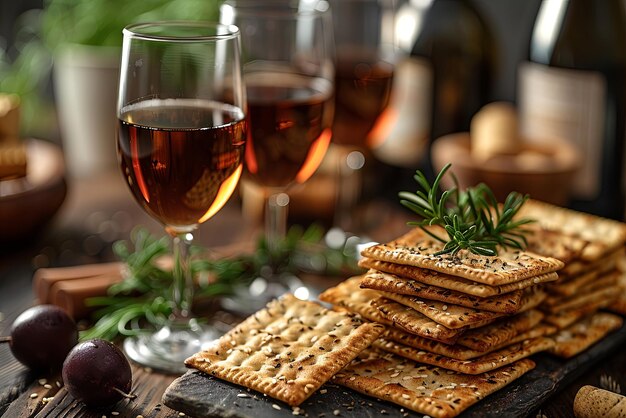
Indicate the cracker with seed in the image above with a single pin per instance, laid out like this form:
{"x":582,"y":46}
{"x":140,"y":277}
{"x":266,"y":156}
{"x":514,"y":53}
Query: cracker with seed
{"x":578,"y":267}
{"x":609,"y":293}
{"x":566,"y":318}
{"x":573,"y":285}
{"x":501,"y":331}
{"x":554,"y":243}
{"x":455,"y":316}
{"x":425,"y":389}
{"x":410,"y":320}
{"x":601,"y":282}
{"x":459,"y":352}
{"x":583,"y":334}
{"x":619,"y":304}
{"x":482,"y":364}
{"x":381,"y":281}
{"x":588,"y":283}
{"x":605,"y":281}
{"x":417,"y":276}
{"x":603,"y":235}
{"x":288,"y":349}
{"x":449,"y":315}
{"x":417,"y":249}
{"x":388,"y":282}
{"x":349,"y":296}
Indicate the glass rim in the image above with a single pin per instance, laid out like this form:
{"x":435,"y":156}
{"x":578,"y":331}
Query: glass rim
{"x":134,"y":30}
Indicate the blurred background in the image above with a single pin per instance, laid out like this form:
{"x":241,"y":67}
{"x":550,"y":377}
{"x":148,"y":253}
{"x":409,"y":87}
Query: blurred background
{"x":453,"y":57}
{"x":511,"y":22}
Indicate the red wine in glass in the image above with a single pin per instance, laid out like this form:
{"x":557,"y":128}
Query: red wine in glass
{"x":182,"y":158}
{"x":290,"y":117}
{"x":362,"y":90}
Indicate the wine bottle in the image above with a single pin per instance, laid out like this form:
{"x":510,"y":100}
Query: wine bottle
{"x":457,"y":44}
{"x":438,"y":89}
{"x":452,"y":63}
{"x":574,"y":88}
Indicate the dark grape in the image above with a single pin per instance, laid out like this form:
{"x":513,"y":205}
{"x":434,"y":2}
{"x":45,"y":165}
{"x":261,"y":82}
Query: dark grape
{"x":42,"y":336}
{"x":97,"y":373}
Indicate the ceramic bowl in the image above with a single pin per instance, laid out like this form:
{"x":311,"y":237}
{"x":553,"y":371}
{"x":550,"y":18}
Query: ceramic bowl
{"x":27,"y":204}
{"x":544,"y":172}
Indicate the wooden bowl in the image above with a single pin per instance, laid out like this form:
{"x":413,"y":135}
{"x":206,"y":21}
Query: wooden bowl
{"x":543,"y":172}
{"x":27,"y":204}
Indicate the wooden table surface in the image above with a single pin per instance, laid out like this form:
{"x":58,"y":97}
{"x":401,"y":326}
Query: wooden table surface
{"x":99,"y":211}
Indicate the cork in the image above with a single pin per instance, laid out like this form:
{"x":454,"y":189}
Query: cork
{"x":494,"y":131}
{"x":593,"y":402}
{"x":9,"y":118}
{"x":13,"y":160}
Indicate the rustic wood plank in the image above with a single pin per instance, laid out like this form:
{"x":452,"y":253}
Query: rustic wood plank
{"x":14,"y":377}
{"x":56,"y":402}
{"x":35,"y":397}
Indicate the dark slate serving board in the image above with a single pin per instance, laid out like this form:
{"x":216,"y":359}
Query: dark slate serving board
{"x":199,"y":395}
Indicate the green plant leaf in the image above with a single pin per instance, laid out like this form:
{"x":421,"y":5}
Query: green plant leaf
{"x":472,"y":219}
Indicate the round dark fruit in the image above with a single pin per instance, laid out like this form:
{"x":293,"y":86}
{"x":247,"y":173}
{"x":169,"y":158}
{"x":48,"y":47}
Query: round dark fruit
{"x":42,"y":336}
{"x":97,"y":373}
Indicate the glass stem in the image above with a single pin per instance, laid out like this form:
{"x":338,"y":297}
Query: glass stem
{"x":349,"y":173}
{"x":276,"y":224}
{"x":182,"y":289}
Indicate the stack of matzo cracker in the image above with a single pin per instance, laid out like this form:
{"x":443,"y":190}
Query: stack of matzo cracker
{"x":457,"y":327}
{"x":590,"y":279}
{"x":472,"y":315}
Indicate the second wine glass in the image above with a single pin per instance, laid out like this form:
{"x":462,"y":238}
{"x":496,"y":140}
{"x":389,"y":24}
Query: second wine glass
{"x":366,"y":61}
{"x":287,"y":54}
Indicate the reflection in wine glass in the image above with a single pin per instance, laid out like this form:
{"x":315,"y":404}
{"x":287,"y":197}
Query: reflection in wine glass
{"x":365,"y":64}
{"x":288,"y":70}
{"x":181,"y":135}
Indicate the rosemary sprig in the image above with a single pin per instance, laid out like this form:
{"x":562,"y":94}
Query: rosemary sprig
{"x":142,"y":299}
{"x":472,"y":219}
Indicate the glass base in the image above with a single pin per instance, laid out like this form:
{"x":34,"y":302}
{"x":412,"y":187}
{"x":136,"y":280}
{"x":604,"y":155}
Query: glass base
{"x":166,"y":349}
{"x":249,"y":299}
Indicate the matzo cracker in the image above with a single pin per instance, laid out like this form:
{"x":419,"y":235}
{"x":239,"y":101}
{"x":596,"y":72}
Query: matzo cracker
{"x":288,"y":349}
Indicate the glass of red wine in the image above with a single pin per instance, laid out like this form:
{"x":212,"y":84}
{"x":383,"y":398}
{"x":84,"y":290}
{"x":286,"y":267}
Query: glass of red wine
{"x":180,"y":140}
{"x":365,"y":65}
{"x":288,"y":52}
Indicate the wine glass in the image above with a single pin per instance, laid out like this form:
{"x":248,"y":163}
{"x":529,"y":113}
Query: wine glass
{"x":287,"y":50}
{"x":365,"y":65}
{"x":180,"y":141}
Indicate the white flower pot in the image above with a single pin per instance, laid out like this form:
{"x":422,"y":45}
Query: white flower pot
{"x":85,"y":83}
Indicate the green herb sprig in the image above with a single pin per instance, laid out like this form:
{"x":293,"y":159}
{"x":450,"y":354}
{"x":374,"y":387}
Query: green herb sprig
{"x":472,"y":219}
{"x":141,"y":300}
